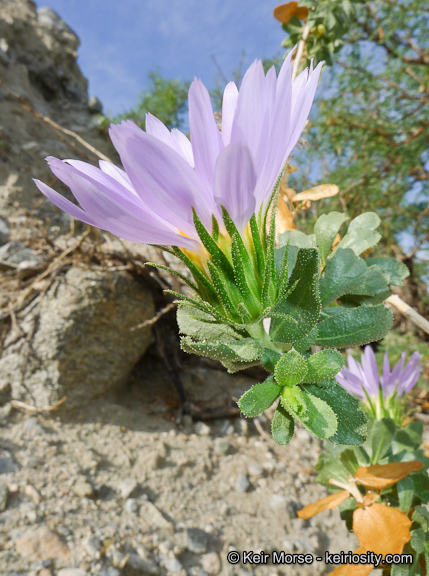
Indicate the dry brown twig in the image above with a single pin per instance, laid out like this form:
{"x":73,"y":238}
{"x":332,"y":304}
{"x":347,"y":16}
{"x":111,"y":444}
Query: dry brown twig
{"x":34,"y":410}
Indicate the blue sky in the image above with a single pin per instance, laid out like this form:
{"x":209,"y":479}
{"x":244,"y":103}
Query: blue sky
{"x":122,"y":40}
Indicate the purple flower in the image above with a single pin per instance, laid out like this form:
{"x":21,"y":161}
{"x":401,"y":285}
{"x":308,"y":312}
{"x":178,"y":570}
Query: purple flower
{"x":166,"y":175}
{"x":359,"y":378}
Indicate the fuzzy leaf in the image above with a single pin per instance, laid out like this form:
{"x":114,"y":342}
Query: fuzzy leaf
{"x":313,"y":413}
{"x":355,"y":327}
{"x":361,"y":233}
{"x":202,"y":326}
{"x":259,"y":398}
{"x":282,"y":426}
{"x":290,"y":369}
{"x":326,"y":229}
{"x":397,"y":271}
{"x":345,"y":273}
{"x":297,"y":238}
{"x":352,"y":422}
{"x":299,"y":312}
{"x":406,"y":491}
{"x":234,"y":355}
{"x":323,"y":365}
{"x":380,"y":438}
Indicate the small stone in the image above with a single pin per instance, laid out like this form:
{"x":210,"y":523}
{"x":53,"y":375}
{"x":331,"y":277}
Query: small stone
{"x":128,"y":487}
{"x":255,"y":470}
{"x":42,"y":544}
{"x":131,"y":506}
{"x":4,"y":231}
{"x":94,"y":105}
{"x":109,"y":571}
{"x":4,"y":496}
{"x":221,"y":447}
{"x":226,"y":428}
{"x":143,"y":565}
{"x":71,"y":572}
{"x":92,"y":546}
{"x":196,"y":540}
{"x":152,"y":515}
{"x":242,"y":484}
{"x":211,"y":563}
{"x":83,"y":489}
{"x":172,"y":565}
{"x":32,"y":425}
{"x":7,"y":464}
{"x":187,"y":421}
{"x":202,"y":429}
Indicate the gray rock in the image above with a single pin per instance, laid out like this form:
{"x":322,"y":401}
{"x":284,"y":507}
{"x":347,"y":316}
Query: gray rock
{"x":7,"y":464}
{"x":196,"y":540}
{"x":71,"y":572}
{"x":4,"y":226}
{"x":142,"y":565}
{"x":128,"y":487}
{"x":242,"y":484}
{"x":131,"y":506}
{"x":153,"y":516}
{"x":18,"y":253}
{"x":95,"y":106}
{"x":83,"y":345}
{"x":32,"y":425}
{"x":4,"y":496}
{"x":109,"y":571}
{"x":172,"y":565}
{"x":83,"y":489}
{"x":202,"y":429}
{"x":221,"y":446}
{"x":48,"y":17}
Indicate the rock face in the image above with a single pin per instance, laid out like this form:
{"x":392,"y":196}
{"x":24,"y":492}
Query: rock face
{"x":81,"y":343}
{"x":38,"y":62}
{"x":75,"y":339}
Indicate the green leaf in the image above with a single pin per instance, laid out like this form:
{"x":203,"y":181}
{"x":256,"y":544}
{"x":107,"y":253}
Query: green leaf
{"x":313,"y":413}
{"x":397,"y":271}
{"x":418,"y":540}
{"x":415,"y":432}
{"x":380,"y":439}
{"x":400,"y":570}
{"x":326,"y":229}
{"x":296,"y":238}
{"x":282,"y":426}
{"x":290,"y":369}
{"x":361,"y":233}
{"x":269,"y":359}
{"x":406,"y":490}
{"x":234,"y":355}
{"x":349,"y":461}
{"x":355,"y":327}
{"x":304,"y":344}
{"x":299,"y":312}
{"x":202,"y":326}
{"x":259,"y":397}
{"x":352,"y":422}
{"x":421,"y":516}
{"x":345,"y":273}
{"x":329,"y":465}
{"x":374,"y":290}
{"x":323,"y":365}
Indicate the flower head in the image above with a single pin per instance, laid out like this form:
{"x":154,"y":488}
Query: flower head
{"x":166,"y":176}
{"x":362,"y":380}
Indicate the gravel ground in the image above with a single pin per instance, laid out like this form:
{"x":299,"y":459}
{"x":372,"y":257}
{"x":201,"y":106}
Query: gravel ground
{"x":121,"y":489}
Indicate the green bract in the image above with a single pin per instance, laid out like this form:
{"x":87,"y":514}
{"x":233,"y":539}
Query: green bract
{"x":262,"y":303}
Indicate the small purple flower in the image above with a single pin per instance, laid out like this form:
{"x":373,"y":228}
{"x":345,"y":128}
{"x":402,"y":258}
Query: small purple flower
{"x":166,"y":175}
{"x":362,"y":379}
